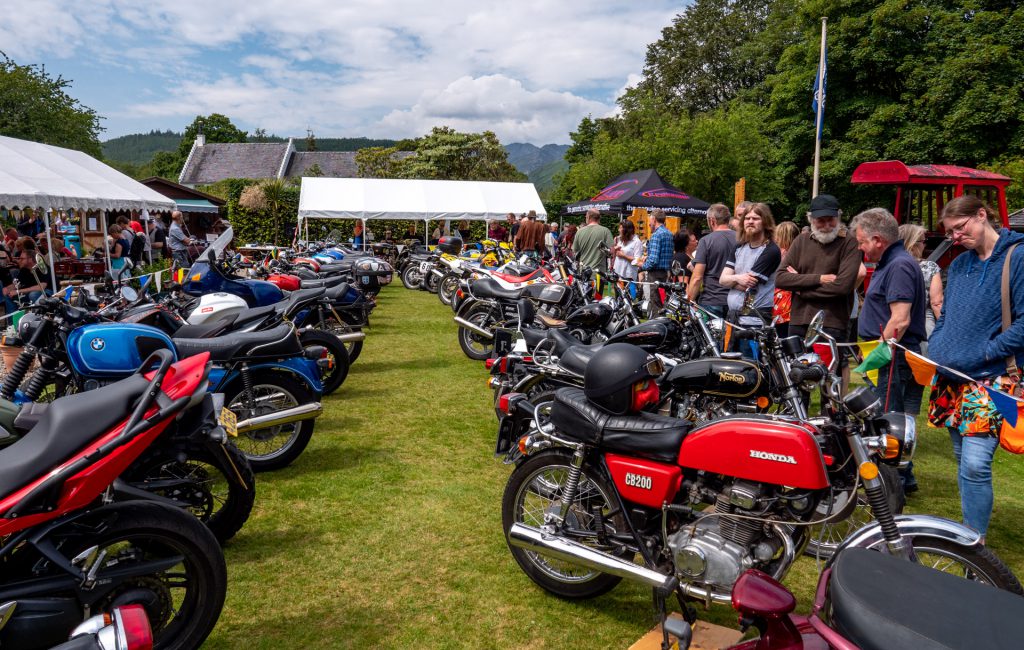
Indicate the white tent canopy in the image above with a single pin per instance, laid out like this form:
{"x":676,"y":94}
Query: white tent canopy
{"x":34,"y":175}
{"x":420,"y":200}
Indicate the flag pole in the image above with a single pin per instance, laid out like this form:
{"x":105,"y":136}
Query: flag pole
{"x":821,"y":108}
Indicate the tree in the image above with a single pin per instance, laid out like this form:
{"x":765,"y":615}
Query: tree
{"x":310,"y":140}
{"x":216,"y":128}
{"x":35,"y":106}
{"x":259,"y":135}
{"x":442,"y":154}
{"x":711,"y":52}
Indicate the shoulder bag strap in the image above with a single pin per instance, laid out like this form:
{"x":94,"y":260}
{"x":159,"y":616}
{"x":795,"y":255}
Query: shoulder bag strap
{"x":1011,"y":361}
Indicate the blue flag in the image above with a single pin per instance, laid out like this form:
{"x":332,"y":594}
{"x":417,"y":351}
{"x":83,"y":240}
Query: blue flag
{"x":819,"y":93}
{"x":1007,"y":405}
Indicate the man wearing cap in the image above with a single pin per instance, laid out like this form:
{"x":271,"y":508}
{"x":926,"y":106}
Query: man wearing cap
{"x":821,"y":269}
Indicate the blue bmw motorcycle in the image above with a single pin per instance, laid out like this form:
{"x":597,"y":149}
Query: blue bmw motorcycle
{"x":267,"y":379}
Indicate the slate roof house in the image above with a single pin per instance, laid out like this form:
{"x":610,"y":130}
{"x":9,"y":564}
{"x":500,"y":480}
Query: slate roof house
{"x":209,"y":163}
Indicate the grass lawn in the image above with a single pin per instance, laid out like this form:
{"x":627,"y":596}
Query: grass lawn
{"x":387,"y":531}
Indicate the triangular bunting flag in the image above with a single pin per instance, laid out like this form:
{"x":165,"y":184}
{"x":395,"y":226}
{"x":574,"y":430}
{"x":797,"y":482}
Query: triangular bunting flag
{"x":159,"y":277}
{"x":872,"y":375}
{"x":878,"y":358}
{"x":1007,"y":405}
{"x":867,"y":347}
{"x":922,"y":368}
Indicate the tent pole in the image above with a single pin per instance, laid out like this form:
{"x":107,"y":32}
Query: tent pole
{"x":145,"y":231}
{"x":106,"y":246}
{"x":49,"y":250}
{"x":365,"y":237}
{"x":306,"y":222}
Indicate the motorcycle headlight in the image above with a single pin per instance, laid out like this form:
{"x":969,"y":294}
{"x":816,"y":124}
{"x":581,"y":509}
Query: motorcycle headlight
{"x":27,"y":326}
{"x":903,"y":427}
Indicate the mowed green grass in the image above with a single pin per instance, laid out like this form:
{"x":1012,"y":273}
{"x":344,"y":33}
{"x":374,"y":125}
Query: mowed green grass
{"x":387,"y":531}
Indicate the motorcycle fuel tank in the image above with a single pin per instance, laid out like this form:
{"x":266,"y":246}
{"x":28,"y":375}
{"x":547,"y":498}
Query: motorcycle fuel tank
{"x":722,"y":377}
{"x":107,"y":350}
{"x":548,"y":294}
{"x":655,"y":334}
{"x":757,"y":449}
{"x":216,"y":306}
{"x":285,"y":281}
{"x":592,"y":316}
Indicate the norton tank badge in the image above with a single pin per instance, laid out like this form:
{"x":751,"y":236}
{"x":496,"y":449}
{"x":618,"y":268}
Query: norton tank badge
{"x":97,"y":344}
{"x":729,"y":376}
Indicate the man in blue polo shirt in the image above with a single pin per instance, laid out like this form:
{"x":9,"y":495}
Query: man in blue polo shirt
{"x":894,"y":308}
{"x":660,"y":249}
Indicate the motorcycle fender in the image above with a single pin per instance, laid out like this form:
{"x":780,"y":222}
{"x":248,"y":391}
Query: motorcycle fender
{"x":302,"y":369}
{"x":911,"y":526}
{"x":467,"y":304}
{"x":643,"y":481}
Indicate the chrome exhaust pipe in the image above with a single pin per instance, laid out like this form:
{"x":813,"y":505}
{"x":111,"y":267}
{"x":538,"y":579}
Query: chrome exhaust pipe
{"x":351,"y":337}
{"x":533,"y":539}
{"x":278,"y":418}
{"x":472,"y":327}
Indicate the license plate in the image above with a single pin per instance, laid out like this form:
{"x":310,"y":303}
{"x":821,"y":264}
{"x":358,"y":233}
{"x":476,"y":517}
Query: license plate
{"x":229,"y":421}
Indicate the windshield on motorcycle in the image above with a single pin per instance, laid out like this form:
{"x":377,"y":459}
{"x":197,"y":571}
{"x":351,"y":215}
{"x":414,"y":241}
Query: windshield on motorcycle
{"x":204,"y":275}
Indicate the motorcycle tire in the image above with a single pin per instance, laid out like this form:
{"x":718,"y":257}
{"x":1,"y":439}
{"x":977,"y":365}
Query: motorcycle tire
{"x":333,"y":377}
{"x":447,"y":287}
{"x":273,"y":447}
{"x":978,"y":562}
{"x":332,"y":326}
{"x":142,"y":532}
{"x":824,"y":539}
{"x":411,"y":277}
{"x":546,"y":473}
{"x":216,"y":485}
{"x":431,"y":282}
{"x":473,"y":345}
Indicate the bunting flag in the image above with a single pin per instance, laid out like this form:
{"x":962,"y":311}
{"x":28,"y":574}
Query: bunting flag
{"x":923,"y":368}
{"x":867,"y":347}
{"x":875,"y":360}
{"x":159,"y":281}
{"x":1008,"y":406}
{"x":179,"y":276}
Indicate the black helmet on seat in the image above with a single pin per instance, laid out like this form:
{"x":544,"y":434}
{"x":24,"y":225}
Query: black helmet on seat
{"x":613,"y":372}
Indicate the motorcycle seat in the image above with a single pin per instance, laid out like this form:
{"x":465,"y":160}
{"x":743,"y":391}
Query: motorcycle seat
{"x":302,"y":297}
{"x":322,"y":282}
{"x":576,"y":358}
{"x":533,"y":336}
{"x":337,"y":292}
{"x":280,"y":341}
{"x":563,"y":341}
{"x":64,"y":428}
{"x":880,"y":601}
{"x":646,"y":435}
{"x":488,"y":288}
{"x":550,"y":321}
{"x":249,"y":316}
{"x":207,"y":329}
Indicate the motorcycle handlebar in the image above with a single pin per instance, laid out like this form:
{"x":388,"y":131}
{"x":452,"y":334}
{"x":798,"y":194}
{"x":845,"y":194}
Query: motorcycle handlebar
{"x":814,"y":372}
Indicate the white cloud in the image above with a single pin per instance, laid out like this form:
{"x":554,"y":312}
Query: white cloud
{"x":371,"y":64}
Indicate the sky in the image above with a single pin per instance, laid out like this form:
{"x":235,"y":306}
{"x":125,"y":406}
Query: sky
{"x":527,"y":70}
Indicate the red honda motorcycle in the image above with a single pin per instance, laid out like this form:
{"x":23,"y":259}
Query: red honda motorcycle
{"x":602,"y":491}
{"x":67,"y":552}
{"x":872,"y":600}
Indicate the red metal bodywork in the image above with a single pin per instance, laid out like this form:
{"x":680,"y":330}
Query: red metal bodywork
{"x":532,"y":277}
{"x":183,"y":378}
{"x":285,"y":282}
{"x":308,"y":261}
{"x":755,"y":449}
{"x":643,"y":481}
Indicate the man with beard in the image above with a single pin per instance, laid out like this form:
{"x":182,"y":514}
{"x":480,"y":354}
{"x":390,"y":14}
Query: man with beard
{"x":821,"y":269}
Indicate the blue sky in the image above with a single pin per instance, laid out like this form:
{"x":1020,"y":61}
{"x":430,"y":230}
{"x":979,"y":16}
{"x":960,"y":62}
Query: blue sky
{"x":527,"y":70}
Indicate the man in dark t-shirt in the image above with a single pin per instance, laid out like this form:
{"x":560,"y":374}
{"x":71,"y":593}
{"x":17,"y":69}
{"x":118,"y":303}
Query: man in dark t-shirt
{"x":713,"y":251}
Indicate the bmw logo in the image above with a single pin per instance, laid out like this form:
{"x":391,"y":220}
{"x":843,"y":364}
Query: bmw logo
{"x":97,"y":344}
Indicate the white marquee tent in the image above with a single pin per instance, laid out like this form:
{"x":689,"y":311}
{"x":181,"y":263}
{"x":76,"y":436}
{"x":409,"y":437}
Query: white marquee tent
{"x":41,"y":176}
{"x":374,"y":198}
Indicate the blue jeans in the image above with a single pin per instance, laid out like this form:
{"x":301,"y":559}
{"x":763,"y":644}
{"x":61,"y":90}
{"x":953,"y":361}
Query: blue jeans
{"x":24,"y":300}
{"x":974,"y":477}
{"x":904,"y":395}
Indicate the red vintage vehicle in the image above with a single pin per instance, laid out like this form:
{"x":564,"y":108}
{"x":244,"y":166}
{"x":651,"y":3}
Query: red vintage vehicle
{"x":923,"y":190}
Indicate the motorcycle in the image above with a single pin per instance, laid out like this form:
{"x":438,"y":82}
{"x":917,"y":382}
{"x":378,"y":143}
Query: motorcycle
{"x":867,"y":599}
{"x":68,"y":552}
{"x":267,"y":378}
{"x":594,"y":487}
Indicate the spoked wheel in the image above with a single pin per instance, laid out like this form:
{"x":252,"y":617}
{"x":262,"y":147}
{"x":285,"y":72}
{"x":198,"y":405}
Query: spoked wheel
{"x":334,"y":375}
{"x":432,"y":281}
{"x":271,"y":447}
{"x":826,"y":538}
{"x":976,"y":563}
{"x":353,"y":348}
{"x":473,"y":345}
{"x":448,"y":286}
{"x":216,"y":485}
{"x":533,"y":491}
{"x":411,"y":277}
{"x":184,"y":596}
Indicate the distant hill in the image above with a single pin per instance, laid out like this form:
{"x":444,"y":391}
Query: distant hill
{"x":540,"y":164}
{"x":138,"y":148}
{"x":543,"y":177}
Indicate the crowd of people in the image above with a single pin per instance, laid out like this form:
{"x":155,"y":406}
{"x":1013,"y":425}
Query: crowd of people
{"x":749,"y":270}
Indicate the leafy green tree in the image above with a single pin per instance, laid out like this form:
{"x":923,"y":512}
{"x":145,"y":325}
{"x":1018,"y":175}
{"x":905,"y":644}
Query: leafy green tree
{"x":35,"y":106}
{"x":378,"y":162}
{"x":444,"y":154}
{"x":216,"y":128}
{"x":1014,"y":168}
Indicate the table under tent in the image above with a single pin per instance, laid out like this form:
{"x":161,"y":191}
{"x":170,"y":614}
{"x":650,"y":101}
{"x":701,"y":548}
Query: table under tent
{"x":364,"y":199}
{"x":48,"y":178}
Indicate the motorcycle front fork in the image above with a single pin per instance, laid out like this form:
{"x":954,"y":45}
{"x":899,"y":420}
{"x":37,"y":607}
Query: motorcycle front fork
{"x":877,"y":497}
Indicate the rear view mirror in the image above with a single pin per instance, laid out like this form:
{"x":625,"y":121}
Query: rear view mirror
{"x":814,"y":329}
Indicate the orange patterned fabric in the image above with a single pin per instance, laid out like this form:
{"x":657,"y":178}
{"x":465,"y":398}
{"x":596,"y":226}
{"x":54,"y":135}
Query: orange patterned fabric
{"x":782,"y":306}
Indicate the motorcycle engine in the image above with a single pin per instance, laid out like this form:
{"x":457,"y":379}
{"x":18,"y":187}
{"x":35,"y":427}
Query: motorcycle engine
{"x":717,"y":549}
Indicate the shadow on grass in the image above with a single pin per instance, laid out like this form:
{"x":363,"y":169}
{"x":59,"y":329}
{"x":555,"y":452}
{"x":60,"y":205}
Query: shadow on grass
{"x":339,"y":624}
{"x":266,"y":544}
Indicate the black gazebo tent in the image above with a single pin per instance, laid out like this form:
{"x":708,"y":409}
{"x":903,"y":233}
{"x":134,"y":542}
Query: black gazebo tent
{"x":643,"y":189}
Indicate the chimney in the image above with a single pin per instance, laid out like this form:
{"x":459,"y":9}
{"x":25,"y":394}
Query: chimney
{"x":200,"y":136}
